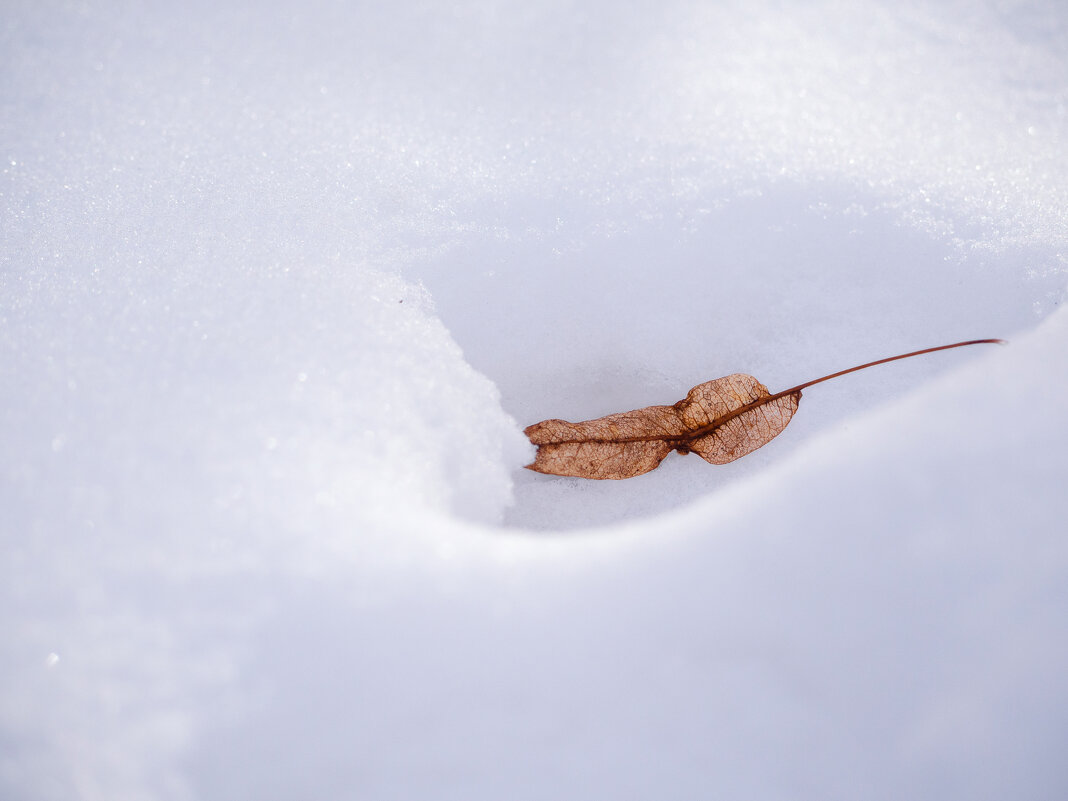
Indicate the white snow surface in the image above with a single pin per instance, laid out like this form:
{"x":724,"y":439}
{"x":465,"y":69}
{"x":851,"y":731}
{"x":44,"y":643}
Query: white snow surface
{"x":281,"y":283}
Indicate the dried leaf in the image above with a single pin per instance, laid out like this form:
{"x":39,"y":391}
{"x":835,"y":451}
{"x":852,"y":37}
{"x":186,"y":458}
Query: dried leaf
{"x":720,"y":420}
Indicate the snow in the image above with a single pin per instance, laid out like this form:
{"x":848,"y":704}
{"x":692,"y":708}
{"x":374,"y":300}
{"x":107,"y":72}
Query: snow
{"x":281,"y":283}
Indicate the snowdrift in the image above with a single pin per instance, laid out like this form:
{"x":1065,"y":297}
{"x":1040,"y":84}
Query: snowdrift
{"x":282,"y":283}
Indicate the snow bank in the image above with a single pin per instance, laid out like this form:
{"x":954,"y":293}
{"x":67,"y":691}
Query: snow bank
{"x":167,"y":441}
{"x":281,"y":283}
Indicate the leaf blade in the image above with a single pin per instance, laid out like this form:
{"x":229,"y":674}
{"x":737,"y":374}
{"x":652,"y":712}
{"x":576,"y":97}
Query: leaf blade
{"x":746,"y":432}
{"x":616,"y":446}
{"x":720,"y":420}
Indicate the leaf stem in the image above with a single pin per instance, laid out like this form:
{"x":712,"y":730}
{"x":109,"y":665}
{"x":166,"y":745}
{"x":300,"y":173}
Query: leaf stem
{"x":807,"y":384}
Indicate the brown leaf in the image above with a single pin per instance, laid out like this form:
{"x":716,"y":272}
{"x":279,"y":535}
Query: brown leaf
{"x":720,"y":420}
